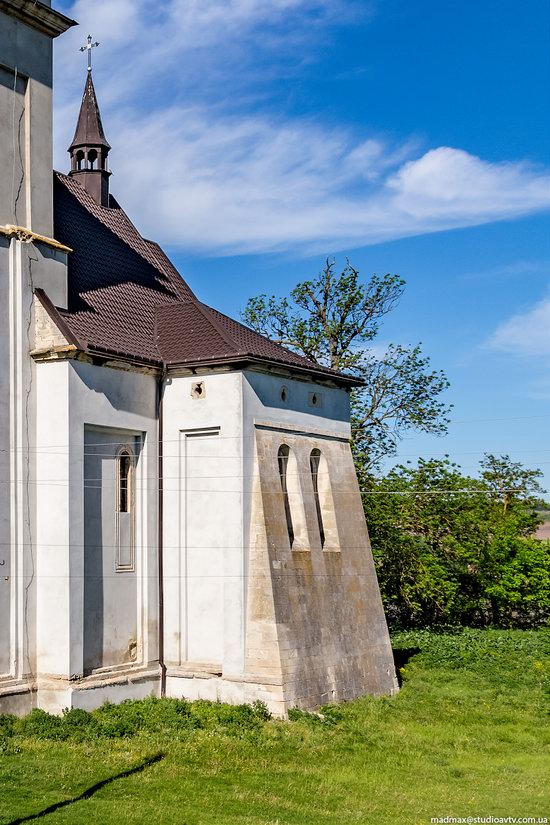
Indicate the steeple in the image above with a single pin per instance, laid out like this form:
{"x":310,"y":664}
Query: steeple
{"x":89,"y":149}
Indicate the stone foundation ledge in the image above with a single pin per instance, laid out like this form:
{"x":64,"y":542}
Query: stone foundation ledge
{"x":89,"y":693}
{"x":234,"y":690}
{"x":17,"y":697}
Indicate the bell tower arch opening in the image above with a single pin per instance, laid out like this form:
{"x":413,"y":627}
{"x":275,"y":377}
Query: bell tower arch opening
{"x":90,"y":149}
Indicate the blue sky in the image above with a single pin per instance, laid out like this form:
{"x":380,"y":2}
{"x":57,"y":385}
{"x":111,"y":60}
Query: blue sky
{"x":253,"y":138}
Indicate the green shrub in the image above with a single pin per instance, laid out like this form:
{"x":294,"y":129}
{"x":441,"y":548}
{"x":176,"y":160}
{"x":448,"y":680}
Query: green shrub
{"x":41,"y":725}
{"x":260,"y":711}
{"x":299,"y":715}
{"x":79,"y":724}
{"x":176,"y":717}
{"x":7,"y":724}
{"x":233,"y":719}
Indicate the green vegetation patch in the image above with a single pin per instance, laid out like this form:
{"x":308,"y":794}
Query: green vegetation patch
{"x":466,"y":736}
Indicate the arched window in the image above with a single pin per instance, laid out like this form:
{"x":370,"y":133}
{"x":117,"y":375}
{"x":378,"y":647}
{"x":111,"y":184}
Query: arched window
{"x":92,"y":158}
{"x":125,"y":506}
{"x":283,"y":456}
{"x":295,"y":514}
{"x":324,"y":500}
{"x":314,"y":462}
{"x":80,"y":160}
{"x":124,"y":481}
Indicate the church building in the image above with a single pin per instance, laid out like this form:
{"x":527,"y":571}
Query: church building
{"x":179,"y":510}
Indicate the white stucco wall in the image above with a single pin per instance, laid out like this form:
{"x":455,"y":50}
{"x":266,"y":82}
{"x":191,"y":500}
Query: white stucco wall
{"x":262,"y":398}
{"x":73,"y":396}
{"x":203,"y":523}
{"x":17,"y":462}
{"x":209,"y":466}
{"x":46,"y":409}
{"x":26,"y":200}
{"x":5,"y":596}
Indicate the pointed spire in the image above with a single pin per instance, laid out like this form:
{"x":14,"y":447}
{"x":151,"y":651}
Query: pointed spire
{"x":89,"y":129}
{"x":90,"y":148}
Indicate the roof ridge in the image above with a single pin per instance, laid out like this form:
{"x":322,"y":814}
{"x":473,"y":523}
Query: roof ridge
{"x":208,"y":313}
{"x":302,"y":358}
{"x":97,"y":211}
{"x":259,"y":335}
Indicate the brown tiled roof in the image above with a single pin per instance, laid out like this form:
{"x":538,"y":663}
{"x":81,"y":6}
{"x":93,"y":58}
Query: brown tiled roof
{"x":126,"y":297}
{"x":195,"y":333}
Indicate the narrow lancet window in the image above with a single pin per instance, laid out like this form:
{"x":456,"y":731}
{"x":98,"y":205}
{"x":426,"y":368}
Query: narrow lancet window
{"x":283,"y":456}
{"x":314,"y":462}
{"x":124,"y":482}
{"x":125,"y":516}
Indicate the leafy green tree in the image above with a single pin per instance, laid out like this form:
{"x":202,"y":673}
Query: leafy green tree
{"x":332,"y":320}
{"x":512,"y":482}
{"x":510,"y":579}
{"x":448,"y":552}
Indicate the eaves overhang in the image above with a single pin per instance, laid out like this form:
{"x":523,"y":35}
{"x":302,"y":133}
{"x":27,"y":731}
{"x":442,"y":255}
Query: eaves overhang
{"x":234,"y":361}
{"x":246,"y":360}
{"x":38,"y":16}
{"x":128,"y":357}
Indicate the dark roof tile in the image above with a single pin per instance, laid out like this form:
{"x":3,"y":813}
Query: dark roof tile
{"x":126,"y":297}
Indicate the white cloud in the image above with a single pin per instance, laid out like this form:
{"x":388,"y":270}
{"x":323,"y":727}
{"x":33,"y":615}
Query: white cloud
{"x":527,"y":333}
{"x":224,"y":184}
{"x":457,"y":184}
{"x":211,"y":176}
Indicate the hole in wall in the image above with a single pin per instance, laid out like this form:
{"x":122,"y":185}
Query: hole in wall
{"x":198,"y":390}
{"x":132,"y":650}
{"x":284,"y":394}
{"x":315,"y":399}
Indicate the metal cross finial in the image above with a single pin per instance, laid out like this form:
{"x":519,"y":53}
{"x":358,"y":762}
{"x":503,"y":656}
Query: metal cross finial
{"x":88,"y":48}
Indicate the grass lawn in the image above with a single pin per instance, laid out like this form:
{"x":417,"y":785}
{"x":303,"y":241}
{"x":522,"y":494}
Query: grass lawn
{"x":466,"y":736}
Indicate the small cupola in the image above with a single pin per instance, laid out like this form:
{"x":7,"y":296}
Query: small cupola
{"x":89,"y":150}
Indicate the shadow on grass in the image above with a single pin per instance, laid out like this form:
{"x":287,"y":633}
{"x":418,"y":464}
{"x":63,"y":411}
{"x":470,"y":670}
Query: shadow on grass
{"x":401,"y":657}
{"x":151,"y":760}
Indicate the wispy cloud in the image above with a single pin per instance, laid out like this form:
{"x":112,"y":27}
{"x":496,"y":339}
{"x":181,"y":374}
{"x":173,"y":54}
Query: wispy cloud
{"x":527,"y":333}
{"x":510,"y":270}
{"x":200,"y":46}
{"x":224,"y":173}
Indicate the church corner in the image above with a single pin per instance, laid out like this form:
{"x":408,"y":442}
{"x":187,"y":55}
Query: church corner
{"x":183,"y":516}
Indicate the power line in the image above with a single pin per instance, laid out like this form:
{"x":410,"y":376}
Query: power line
{"x":241,"y":490}
{"x":468,"y":452}
{"x":208,"y":434}
{"x":78,"y":456}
